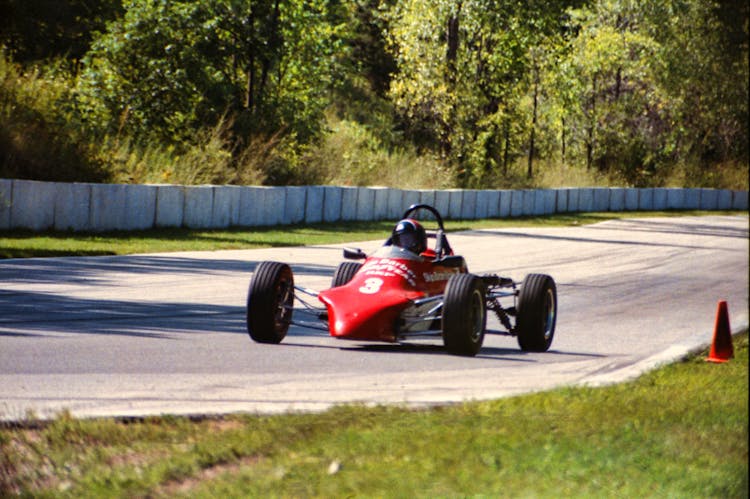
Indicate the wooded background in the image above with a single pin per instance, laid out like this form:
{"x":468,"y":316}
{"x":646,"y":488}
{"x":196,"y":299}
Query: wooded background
{"x":446,"y":93}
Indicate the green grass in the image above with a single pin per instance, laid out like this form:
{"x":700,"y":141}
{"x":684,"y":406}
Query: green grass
{"x":680,"y":431}
{"x":25,"y":244}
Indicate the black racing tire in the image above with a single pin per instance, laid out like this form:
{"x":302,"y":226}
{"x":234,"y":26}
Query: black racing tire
{"x":269,"y":302}
{"x":344,"y":273}
{"x":537,"y":313}
{"x":464,"y":314}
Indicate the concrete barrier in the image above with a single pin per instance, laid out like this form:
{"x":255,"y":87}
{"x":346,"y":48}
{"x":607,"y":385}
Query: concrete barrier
{"x":585,"y":200}
{"x":32,"y":205}
{"x":600,"y":199}
{"x":381,"y":203}
{"x":332,"y":204}
{"x":725,"y":200}
{"x":739,"y":200}
{"x":199,"y":201}
{"x":504,"y":202}
{"x":170,"y":205}
{"x":225,"y":211}
{"x":72,"y":202}
{"x":660,"y":199}
{"x":314,"y":204}
{"x":443,"y":202}
{"x":6,"y":193}
{"x":617,"y":199}
{"x":40,"y":206}
{"x":455,"y":204}
{"x":108,"y":207}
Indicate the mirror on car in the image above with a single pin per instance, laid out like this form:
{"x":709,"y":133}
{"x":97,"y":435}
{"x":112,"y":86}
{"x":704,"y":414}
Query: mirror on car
{"x":354,"y":254}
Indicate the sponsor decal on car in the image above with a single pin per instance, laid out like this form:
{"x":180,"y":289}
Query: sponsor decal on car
{"x":442,"y":275}
{"x":388,"y":268}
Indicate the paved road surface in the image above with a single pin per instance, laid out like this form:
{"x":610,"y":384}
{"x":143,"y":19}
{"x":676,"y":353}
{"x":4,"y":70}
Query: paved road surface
{"x":165,"y":333}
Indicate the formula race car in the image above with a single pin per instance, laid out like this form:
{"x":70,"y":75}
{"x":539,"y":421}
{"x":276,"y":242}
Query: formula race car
{"x":405,"y":290}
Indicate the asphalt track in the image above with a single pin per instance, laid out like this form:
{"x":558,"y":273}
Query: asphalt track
{"x":165,"y":333}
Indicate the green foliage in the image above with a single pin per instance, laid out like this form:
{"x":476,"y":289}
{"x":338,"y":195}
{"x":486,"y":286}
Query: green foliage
{"x":482,"y":93}
{"x":35,"y":30}
{"x":166,"y":69}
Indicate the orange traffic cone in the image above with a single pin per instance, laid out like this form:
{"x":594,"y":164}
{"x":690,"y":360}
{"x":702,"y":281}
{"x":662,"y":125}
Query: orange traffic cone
{"x":721,"y":347}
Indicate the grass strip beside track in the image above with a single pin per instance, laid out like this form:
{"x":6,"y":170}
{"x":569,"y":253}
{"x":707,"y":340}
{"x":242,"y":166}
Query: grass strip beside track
{"x":26,"y":244}
{"x":679,"y":431}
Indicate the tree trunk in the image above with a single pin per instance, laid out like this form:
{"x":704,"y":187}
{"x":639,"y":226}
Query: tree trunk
{"x":530,"y":170}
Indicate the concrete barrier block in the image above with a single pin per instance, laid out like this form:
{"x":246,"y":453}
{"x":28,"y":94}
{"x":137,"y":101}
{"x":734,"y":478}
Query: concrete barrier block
{"x":443,"y":202}
{"x":72,"y":206}
{"x":199,"y":201}
{"x":585,"y":200}
{"x":349,"y":202}
{"x":225,"y":208}
{"x":456,"y":204}
{"x":366,"y":204}
{"x":548,"y":201}
{"x":725,"y":199}
{"x":251,"y":203}
{"x":381,"y":203}
{"x":108,"y":207}
{"x":170,"y":205}
{"x":516,"y":203}
{"x":632,"y":199}
{"x":646,"y":199}
{"x":294,"y":205}
{"x":503,"y":203}
{"x":660,"y":199}
{"x":395,"y":203}
{"x":140,"y":206}
{"x":675,"y":199}
{"x":601,"y":199}
{"x":493,"y":204}
{"x":538,"y":207}
{"x":410,"y":197}
{"x":274,"y":206}
{"x":332,"y":203}
{"x":709,"y":199}
{"x":739,"y":200}
{"x":33,"y":205}
{"x":574,"y":196}
{"x":486,"y":203}
{"x":6,"y":192}
{"x":314,"y":203}
{"x":529,"y":202}
{"x":427,"y":196}
{"x":617,"y":199}
{"x":692,"y":199}
{"x":561,"y":200}
{"x":469,"y":205}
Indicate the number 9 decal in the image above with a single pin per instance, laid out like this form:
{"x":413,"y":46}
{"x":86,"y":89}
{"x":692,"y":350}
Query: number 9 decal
{"x":372,"y":286}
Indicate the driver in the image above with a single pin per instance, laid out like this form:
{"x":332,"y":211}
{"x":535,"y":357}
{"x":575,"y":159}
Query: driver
{"x":410,"y":235}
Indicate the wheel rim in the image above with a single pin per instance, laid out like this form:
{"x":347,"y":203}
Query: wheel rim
{"x":477,"y":316}
{"x":549,"y":314}
{"x":283,"y":299}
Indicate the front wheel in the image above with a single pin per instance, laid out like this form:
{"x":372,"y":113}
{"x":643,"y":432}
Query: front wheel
{"x":464,"y":314}
{"x":344,"y":273}
{"x":270,"y":301}
{"x":537,"y":313}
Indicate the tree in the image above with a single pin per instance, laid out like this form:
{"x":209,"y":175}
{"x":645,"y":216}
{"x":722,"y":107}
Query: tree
{"x":463,"y":69}
{"x":169,"y":68}
{"x":34,"y":30}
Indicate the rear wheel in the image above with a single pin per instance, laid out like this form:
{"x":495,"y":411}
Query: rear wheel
{"x":344,"y":273}
{"x":537,"y":313}
{"x":269,"y":302}
{"x":464,"y":314}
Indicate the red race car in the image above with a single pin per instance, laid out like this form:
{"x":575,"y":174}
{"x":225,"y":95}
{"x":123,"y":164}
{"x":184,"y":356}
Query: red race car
{"x":405,"y":290}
